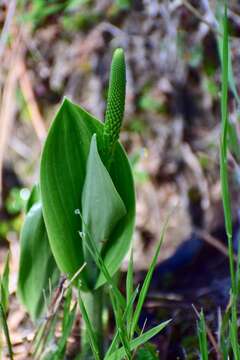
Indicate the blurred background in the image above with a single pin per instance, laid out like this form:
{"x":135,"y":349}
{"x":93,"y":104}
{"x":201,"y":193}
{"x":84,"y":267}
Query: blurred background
{"x":51,"y":49}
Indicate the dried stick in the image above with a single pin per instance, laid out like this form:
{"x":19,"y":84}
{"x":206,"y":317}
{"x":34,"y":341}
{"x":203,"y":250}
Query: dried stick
{"x":7,"y":108}
{"x":7,"y":25}
{"x":27,"y":90}
{"x":214,"y":242}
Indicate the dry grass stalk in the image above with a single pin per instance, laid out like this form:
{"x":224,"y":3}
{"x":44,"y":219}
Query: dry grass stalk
{"x":7,"y":105}
{"x":27,"y":90}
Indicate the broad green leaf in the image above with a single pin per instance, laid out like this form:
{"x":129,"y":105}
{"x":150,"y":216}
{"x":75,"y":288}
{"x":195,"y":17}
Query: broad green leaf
{"x":120,"y":240}
{"x":63,"y":171}
{"x":37,"y":265}
{"x":101,"y":203}
{"x":102,"y":207}
{"x":140,"y":340}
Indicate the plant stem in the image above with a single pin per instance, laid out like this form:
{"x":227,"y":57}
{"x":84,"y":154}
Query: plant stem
{"x":3,"y":322}
{"x":93,"y":302}
{"x":224,"y":152}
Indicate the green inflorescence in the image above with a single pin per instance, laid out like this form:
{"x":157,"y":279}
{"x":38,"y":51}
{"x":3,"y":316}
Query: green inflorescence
{"x":115,"y":103}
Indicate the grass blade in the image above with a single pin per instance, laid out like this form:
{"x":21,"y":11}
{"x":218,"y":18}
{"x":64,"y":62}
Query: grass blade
{"x":146,"y":283}
{"x":121,"y":328}
{"x":3,"y":321}
{"x":129,"y":280}
{"x":140,"y":340}
{"x":129,"y":291}
{"x":93,"y":250}
{"x":4,"y":286}
{"x":231,"y":80}
{"x":90,"y":331}
{"x":224,"y":149}
{"x":114,"y":342}
{"x":66,"y":330}
{"x":202,"y":337}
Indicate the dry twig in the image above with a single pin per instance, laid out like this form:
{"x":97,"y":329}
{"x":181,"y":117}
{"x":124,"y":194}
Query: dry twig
{"x":214,"y":242}
{"x":27,"y":90}
{"x":7,"y":25}
{"x":7,"y":109}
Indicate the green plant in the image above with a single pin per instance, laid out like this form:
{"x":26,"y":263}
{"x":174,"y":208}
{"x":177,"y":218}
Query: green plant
{"x":202,"y":336}
{"x":229,"y":143}
{"x":82,"y":217}
{"x":4,"y":304}
{"x":39,"y":10}
{"x":225,"y":148}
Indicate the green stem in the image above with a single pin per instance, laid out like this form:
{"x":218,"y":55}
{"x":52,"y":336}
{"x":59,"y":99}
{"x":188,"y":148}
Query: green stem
{"x":93,"y":302}
{"x":3,"y":321}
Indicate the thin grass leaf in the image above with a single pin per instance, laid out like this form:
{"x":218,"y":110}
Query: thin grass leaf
{"x":37,"y":339}
{"x":202,"y":337}
{"x":92,"y":248}
{"x":112,"y":348}
{"x":224,"y":133}
{"x":67,"y":306}
{"x":234,"y":340}
{"x":121,"y":328}
{"x":115,"y":340}
{"x":233,"y":141}
{"x":46,"y":331}
{"x":100,"y":263}
{"x":90,"y":331}
{"x":3,"y":322}
{"x":224,"y":149}
{"x":231,"y":79}
{"x":129,"y":290}
{"x":234,"y":328}
{"x":146,"y":283}
{"x":238,"y":265}
{"x":224,"y":144}
{"x":224,"y":340}
{"x":66,"y":330}
{"x":47,"y":336}
{"x":4,"y":285}
{"x":129,"y":279}
{"x":140,"y":340}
